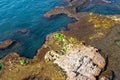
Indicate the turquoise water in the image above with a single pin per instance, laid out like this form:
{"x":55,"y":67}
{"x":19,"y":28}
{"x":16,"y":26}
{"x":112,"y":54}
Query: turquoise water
{"x":16,"y":15}
{"x":28,"y":14}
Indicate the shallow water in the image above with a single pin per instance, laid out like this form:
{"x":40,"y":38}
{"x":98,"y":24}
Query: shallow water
{"x":28,"y":14}
{"x":110,"y":9}
{"x":16,"y":15}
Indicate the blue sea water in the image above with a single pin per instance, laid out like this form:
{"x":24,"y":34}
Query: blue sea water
{"x":111,"y":7}
{"x":16,"y":15}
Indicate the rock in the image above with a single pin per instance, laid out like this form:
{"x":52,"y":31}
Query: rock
{"x":83,"y":63}
{"x":37,"y":77}
{"x":7,"y":43}
{"x":11,"y":57}
{"x":23,"y":31}
{"x":51,"y":56}
{"x":104,"y":78}
{"x":107,"y":75}
{"x":41,"y":53}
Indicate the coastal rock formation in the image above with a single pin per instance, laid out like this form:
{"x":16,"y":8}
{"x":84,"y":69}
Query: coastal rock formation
{"x":60,"y":10}
{"x":75,"y":61}
{"x":88,"y":27}
{"x":100,"y":31}
{"x":12,"y":69}
{"x":7,"y":43}
{"x":81,"y":64}
{"x":51,"y":56}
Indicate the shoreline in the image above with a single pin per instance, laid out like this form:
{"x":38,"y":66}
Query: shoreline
{"x":99,"y":33}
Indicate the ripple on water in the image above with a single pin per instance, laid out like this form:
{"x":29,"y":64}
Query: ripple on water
{"x":28,"y":14}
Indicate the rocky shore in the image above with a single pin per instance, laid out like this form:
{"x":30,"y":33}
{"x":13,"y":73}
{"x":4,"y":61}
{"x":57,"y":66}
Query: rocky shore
{"x":80,"y":62}
{"x":89,"y":50}
{"x":97,"y":30}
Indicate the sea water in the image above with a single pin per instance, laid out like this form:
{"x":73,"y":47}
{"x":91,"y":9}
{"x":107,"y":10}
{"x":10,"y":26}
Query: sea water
{"x":17,"y":15}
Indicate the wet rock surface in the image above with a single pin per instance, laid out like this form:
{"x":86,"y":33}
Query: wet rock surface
{"x":6,"y":44}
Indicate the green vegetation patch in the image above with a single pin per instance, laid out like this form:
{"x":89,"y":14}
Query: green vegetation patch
{"x":1,"y":66}
{"x":23,"y":61}
{"x":59,"y":37}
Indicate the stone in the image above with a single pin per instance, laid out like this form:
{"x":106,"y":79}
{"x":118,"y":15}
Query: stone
{"x":83,"y":63}
{"x":104,"y":78}
{"x":24,"y":31}
{"x":51,"y":56}
{"x":107,"y":75}
{"x":7,"y":43}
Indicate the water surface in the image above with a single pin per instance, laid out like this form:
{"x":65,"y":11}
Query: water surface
{"x":16,"y":15}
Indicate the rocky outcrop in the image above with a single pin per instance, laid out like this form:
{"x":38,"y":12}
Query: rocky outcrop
{"x":78,"y":61}
{"x":94,"y":29}
{"x":7,"y":43}
{"x":83,"y":63}
{"x":61,"y":10}
{"x":51,"y":56}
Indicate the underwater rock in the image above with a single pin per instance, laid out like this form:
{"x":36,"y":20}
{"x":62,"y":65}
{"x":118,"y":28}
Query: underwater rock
{"x":7,"y":43}
{"x":83,"y":63}
{"x":23,"y":31}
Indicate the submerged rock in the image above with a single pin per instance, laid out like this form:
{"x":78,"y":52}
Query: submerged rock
{"x":23,"y":31}
{"x":6,"y":44}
